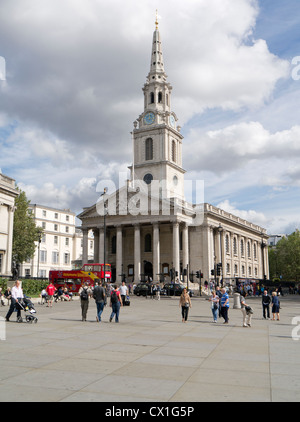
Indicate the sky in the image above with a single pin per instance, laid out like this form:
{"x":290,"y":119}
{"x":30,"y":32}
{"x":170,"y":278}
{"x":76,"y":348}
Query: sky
{"x":71,"y":78}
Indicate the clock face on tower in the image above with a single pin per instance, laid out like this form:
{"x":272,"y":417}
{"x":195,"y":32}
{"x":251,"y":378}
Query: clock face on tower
{"x":172,"y":121}
{"x":149,"y":118}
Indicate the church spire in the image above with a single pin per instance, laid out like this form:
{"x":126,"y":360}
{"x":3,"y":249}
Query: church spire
{"x":157,"y":71}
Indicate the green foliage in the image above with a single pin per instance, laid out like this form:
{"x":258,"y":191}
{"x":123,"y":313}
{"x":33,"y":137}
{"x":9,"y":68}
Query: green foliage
{"x":284,"y":259}
{"x":25,"y":232}
{"x":30,"y":287}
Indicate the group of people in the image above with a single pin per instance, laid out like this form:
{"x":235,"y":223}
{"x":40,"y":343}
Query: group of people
{"x":219,"y":300}
{"x":117,"y":296}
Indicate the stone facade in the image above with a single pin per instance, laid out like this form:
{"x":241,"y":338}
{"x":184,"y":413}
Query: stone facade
{"x":8,"y":193}
{"x":148,"y":226}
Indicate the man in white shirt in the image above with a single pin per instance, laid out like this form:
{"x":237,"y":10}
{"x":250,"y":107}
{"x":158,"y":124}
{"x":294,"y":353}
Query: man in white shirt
{"x":123,"y":292}
{"x":16,"y":296}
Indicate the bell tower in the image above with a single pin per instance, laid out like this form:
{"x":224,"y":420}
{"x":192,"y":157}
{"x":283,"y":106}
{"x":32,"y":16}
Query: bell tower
{"x":157,"y":140}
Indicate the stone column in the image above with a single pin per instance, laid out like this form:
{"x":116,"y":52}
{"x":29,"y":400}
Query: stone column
{"x":101,"y":246}
{"x":85,"y":233}
{"x":96,"y":245}
{"x":185,"y":249}
{"x":11,"y":210}
{"x":119,"y":259}
{"x":176,"y":260}
{"x":137,"y":253}
{"x":156,"y":252}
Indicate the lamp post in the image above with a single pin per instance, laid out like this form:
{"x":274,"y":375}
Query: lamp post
{"x":104,"y":218}
{"x":39,"y":245}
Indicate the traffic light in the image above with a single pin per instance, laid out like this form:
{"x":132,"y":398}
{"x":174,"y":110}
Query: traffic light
{"x":212,"y":272}
{"x":219,"y":266}
{"x":198,"y":274}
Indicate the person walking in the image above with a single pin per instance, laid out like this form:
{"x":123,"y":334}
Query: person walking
{"x":246,"y":314}
{"x":124,"y":292}
{"x":115,"y":303}
{"x":224,"y":305}
{"x":50,"y":289}
{"x":185,"y":303}
{"x":219,"y":294}
{"x":214,"y":299}
{"x":84,"y":294}
{"x":100,"y":299}
{"x":275,"y":306}
{"x":16,"y":296}
{"x":266,"y":300}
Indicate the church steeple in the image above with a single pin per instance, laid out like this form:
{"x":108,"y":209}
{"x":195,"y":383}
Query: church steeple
{"x":157,"y":141}
{"x":157,"y":71}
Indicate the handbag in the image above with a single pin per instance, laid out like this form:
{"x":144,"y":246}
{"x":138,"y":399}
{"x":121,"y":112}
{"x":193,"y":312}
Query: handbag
{"x":249,"y":310}
{"x":215,"y":306}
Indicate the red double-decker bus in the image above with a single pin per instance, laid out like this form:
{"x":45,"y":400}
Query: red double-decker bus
{"x":74,"y":279}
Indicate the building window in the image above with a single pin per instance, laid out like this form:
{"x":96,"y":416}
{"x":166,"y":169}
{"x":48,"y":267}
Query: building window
{"x":148,"y":243}
{"x":149,"y":149}
{"x":43,"y":257}
{"x":228,"y":268}
{"x":174,"y":151}
{"x":67,"y":258}
{"x":242,"y":247}
{"x":160,"y":97}
{"x":235,"y":269}
{"x":67,"y":218}
{"x":43,"y":239}
{"x":67,"y":241}
{"x":67,"y":229}
{"x":43,"y":225}
{"x":254,"y":251}
{"x":227,"y":243}
{"x":56,"y":215}
{"x":55,"y":257}
{"x":55,"y":227}
{"x":243,"y":269}
{"x":249,"y":249}
{"x":55,"y":240}
{"x":234,"y":246}
{"x":152,"y":98}
{"x":44,"y":213}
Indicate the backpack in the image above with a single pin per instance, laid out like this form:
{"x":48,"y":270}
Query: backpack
{"x":114,"y":297}
{"x":84,"y":294}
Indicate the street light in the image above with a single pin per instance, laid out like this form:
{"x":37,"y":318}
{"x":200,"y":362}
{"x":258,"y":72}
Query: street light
{"x":104,"y":218}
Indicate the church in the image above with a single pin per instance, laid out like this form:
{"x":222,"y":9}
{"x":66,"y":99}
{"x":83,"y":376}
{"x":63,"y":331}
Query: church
{"x":147,"y":230}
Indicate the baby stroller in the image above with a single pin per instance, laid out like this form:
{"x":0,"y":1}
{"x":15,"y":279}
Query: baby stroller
{"x":27,"y":306}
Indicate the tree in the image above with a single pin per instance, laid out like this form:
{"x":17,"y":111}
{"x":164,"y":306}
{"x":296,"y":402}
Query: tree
{"x":25,"y":232}
{"x":284,"y":259}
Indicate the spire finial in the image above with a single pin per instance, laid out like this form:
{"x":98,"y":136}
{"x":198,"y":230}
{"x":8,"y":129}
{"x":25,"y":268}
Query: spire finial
{"x":156,"y":21}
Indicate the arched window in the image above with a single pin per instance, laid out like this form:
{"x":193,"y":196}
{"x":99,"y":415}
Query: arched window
{"x":160,"y":97}
{"x":149,"y":149}
{"x":227,"y":243}
{"x":242,"y":247}
{"x":249,"y":249}
{"x":152,"y":98}
{"x":174,"y":151}
{"x":148,"y":243}
{"x":254,"y":251}
{"x":234,"y":246}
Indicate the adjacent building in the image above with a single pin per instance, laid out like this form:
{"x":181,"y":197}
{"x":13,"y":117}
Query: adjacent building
{"x":60,"y":246}
{"x":8,"y":194}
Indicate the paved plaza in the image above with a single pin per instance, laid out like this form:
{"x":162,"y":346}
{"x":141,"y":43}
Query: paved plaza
{"x":151,"y":356}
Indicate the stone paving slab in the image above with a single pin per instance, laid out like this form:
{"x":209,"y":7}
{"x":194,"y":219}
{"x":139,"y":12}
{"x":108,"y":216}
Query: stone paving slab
{"x":150,"y":356}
